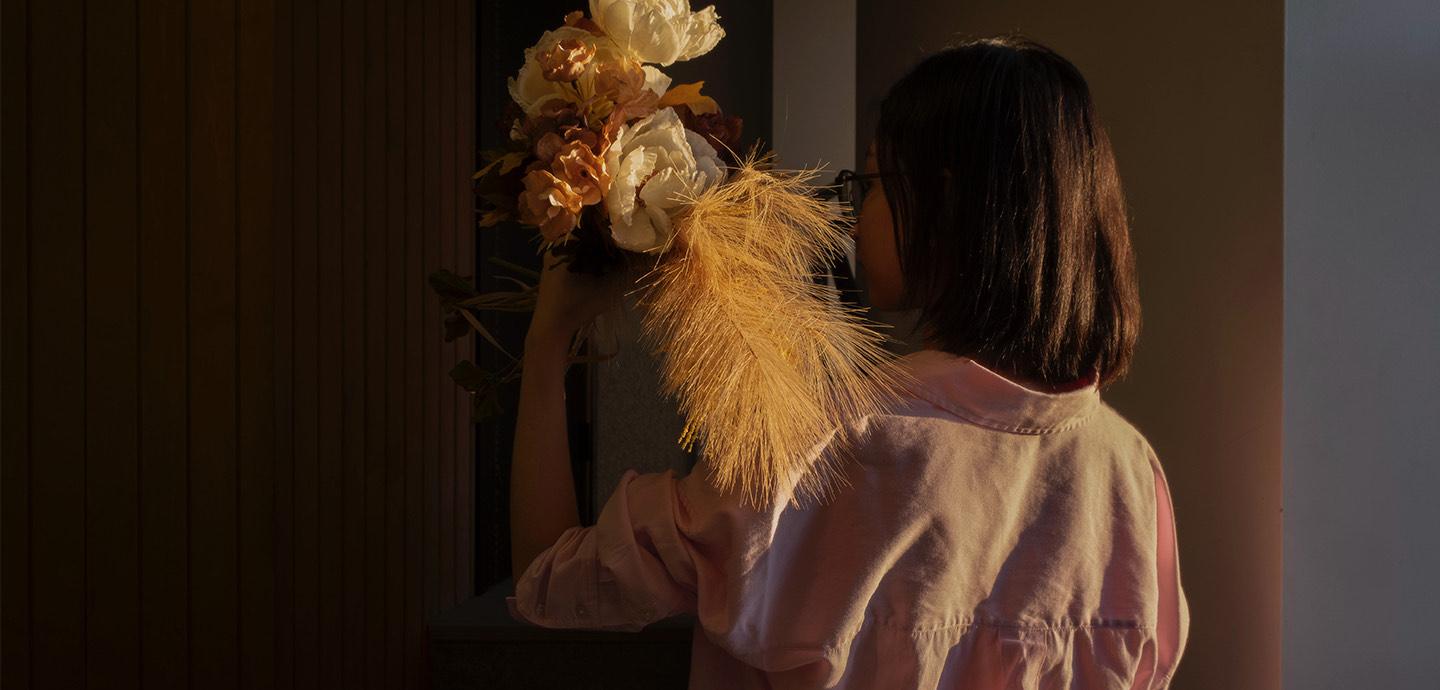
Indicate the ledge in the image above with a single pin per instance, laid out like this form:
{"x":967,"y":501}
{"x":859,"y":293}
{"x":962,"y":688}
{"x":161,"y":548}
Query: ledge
{"x":478,"y":644}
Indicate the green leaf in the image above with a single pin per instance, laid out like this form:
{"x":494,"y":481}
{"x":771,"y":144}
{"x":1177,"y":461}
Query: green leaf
{"x":455,"y":326}
{"x":485,"y":333}
{"x":493,"y":218}
{"x":517,"y":268}
{"x":472,"y":378}
{"x":450,"y":287}
{"x":505,"y":162}
{"x":484,"y":389}
{"x":485,"y":407}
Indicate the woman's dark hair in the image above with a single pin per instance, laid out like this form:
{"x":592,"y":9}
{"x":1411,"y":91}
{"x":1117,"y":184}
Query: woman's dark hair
{"x":1009,"y":216}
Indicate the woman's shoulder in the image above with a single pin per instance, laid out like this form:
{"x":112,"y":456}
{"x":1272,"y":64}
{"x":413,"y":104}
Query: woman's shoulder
{"x":1114,"y":426}
{"x":919,"y":431}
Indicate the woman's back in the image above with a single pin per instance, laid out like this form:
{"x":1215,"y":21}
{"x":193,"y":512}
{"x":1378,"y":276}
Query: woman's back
{"x":991,"y":537}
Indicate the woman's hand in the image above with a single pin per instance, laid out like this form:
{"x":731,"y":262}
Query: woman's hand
{"x":568,"y":300}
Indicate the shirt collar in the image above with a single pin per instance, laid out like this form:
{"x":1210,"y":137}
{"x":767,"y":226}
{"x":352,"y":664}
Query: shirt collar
{"x":961,"y":386}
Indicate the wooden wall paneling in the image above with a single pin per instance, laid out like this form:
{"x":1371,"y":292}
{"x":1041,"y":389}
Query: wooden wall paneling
{"x":256,"y":338}
{"x":351,"y":166}
{"x":214,"y":570}
{"x":396,"y":336}
{"x":14,"y":348}
{"x":163,"y":361}
{"x":111,"y":427}
{"x":446,"y":78}
{"x":416,"y":299}
{"x":309,"y":633}
{"x":232,"y":453}
{"x":487,"y":504}
{"x":283,"y":241}
{"x":433,"y":371}
{"x":57,"y":345}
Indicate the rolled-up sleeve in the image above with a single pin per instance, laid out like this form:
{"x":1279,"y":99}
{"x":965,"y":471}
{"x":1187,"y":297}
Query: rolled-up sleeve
{"x":773,"y":587}
{"x":658,"y":541}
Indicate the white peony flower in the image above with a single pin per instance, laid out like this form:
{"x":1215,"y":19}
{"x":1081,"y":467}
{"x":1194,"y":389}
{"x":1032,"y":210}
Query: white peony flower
{"x":656,"y":81}
{"x":658,"y":31}
{"x":652,"y":162}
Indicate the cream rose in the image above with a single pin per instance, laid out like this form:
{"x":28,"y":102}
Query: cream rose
{"x":652,"y":162}
{"x":566,"y":60}
{"x":531,"y":89}
{"x":658,"y":31}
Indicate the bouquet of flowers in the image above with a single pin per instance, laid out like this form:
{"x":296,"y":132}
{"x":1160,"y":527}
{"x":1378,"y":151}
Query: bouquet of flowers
{"x":608,"y":159}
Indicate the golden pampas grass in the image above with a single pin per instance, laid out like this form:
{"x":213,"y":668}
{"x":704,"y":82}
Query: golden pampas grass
{"x":766,"y":364}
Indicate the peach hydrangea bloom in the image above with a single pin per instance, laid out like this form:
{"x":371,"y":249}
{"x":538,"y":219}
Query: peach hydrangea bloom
{"x":627,"y":87}
{"x":566,"y":60}
{"x":586,"y":173}
{"x":550,"y":204}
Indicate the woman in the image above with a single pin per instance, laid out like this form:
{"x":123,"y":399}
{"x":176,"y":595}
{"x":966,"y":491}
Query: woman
{"x":1004,"y":527}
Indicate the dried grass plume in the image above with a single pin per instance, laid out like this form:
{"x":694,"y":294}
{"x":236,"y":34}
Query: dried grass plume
{"x":766,"y":363}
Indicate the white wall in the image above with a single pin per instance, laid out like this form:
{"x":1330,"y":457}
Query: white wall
{"x":1362,"y":337}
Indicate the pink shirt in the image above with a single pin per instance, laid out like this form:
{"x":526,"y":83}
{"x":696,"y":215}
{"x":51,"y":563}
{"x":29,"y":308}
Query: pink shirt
{"x":992,"y":537}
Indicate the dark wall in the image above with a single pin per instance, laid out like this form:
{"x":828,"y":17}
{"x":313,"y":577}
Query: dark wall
{"x":737,"y":73}
{"x":1192,"y":98}
{"x":231,"y":454}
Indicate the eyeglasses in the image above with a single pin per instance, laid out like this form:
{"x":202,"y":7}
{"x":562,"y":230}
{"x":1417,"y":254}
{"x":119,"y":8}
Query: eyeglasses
{"x":850,"y":188}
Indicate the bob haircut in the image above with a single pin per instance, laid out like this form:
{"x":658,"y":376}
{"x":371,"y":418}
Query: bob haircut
{"x":1009,"y":217}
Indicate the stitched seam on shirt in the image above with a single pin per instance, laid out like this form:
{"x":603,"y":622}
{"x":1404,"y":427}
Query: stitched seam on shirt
{"x":841,"y":644}
{"x":937,"y":400}
{"x":844,"y":641}
{"x":971,"y":622}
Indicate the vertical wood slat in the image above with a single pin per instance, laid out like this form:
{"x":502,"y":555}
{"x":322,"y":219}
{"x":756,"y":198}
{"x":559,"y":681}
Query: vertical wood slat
{"x":164,"y":473}
{"x":396,"y":337}
{"x":416,"y":603}
{"x":214,"y":576}
{"x":111,"y":349}
{"x":373,"y":73}
{"x":466,"y":162}
{"x":306,"y":366}
{"x":14,"y":348}
{"x":255,"y":334}
{"x":209,"y":200}
{"x":349,"y":21}
{"x":432,"y":371}
{"x":283,"y":233}
{"x":333,"y":338}
{"x":448,"y":261}
{"x":57,"y":345}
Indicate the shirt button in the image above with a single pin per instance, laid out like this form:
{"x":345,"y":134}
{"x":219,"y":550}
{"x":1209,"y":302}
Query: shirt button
{"x":580,"y":610}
